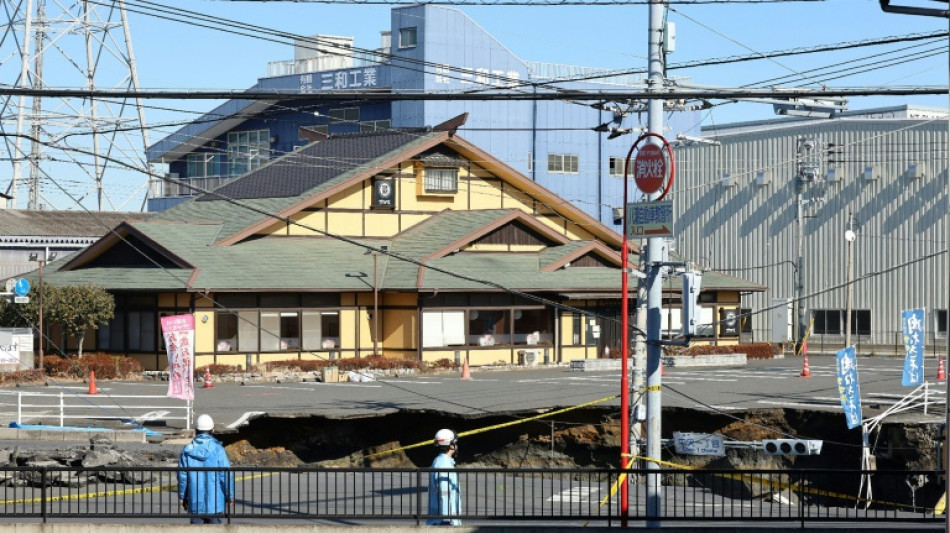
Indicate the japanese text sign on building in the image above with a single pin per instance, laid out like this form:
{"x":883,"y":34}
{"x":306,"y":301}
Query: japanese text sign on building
{"x":649,"y":169}
{"x":912,"y":325}
{"x":179,"y":334}
{"x":356,"y":78}
{"x":650,"y":219}
{"x":848,"y":389}
{"x":698,"y":444}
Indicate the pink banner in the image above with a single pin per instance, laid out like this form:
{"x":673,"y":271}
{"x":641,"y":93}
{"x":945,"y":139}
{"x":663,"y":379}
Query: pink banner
{"x":179,"y":333}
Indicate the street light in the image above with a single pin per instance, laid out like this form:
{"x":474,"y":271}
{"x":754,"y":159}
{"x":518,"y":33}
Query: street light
{"x":849,"y":236}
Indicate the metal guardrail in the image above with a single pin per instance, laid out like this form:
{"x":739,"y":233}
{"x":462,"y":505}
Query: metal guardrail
{"x":531,"y":496}
{"x":36,"y":407}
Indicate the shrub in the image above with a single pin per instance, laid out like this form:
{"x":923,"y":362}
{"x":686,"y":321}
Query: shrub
{"x":444,"y":364}
{"x":753,"y":350}
{"x":20,"y":376}
{"x":54,"y":365}
{"x":351,"y":363}
{"x":108,"y":366}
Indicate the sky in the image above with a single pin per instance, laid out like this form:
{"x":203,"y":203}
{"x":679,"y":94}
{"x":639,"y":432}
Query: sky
{"x":177,"y":55}
{"x":596,"y":36}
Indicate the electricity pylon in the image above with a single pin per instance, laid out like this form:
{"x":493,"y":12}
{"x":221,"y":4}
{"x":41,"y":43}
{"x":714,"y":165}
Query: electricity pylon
{"x":68,"y":152}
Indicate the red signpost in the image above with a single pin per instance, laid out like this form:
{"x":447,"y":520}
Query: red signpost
{"x":649,"y":173}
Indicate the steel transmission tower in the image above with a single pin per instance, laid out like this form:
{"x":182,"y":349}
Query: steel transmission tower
{"x":70,"y":152}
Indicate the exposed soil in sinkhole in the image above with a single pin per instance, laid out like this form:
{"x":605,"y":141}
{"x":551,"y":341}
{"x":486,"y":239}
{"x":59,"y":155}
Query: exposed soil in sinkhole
{"x":585,"y":438}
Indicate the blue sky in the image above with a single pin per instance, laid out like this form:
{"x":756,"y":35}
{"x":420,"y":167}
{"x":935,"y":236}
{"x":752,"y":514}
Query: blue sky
{"x":172,"y":55}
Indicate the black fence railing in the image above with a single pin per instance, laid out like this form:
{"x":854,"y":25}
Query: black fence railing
{"x":492,"y":495}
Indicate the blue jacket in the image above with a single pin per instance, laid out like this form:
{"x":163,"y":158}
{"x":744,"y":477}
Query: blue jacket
{"x":205,"y":492}
{"x":445,"y":496}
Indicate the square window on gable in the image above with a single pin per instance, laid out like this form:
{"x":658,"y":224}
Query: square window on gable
{"x":408,"y":37}
{"x":441,"y":180}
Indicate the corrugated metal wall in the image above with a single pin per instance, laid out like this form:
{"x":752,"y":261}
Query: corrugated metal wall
{"x":751,"y":225}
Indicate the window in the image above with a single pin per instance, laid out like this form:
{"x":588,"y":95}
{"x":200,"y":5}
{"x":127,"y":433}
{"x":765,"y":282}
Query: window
{"x":142,"y":331}
{"x":248,"y":330}
{"x":488,"y":327}
{"x":533,"y":326}
{"x":370,"y":126}
{"x":827,"y":322}
{"x":745,"y":321}
{"x":616,"y":167}
{"x":226,"y":325}
{"x":204,"y":165}
{"x":280,"y":330}
{"x":247,"y":150}
{"x":562,"y":163}
{"x":321,"y":330}
{"x":577,"y":322}
{"x":408,"y":37}
{"x":443,"y":328}
{"x":832,"y":322}
{"x":441,"y":180}
{"x":345,"y":115}
{"x":940,"y":316}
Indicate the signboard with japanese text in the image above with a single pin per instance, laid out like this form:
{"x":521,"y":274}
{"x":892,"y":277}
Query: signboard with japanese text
{"x":354,"y":78}
{"x":912,"y":326}
{"x":16,"y":349}
{"x":698,"y":444}
{"x":650,"y":219}
{"x":848,"y":389}
{"x":649,"y":169}
{"x":179,"y":334}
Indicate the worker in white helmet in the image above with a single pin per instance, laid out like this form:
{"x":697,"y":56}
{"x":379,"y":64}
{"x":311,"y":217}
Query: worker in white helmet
{"x":445,"y":496}
{"x":205,"y":493}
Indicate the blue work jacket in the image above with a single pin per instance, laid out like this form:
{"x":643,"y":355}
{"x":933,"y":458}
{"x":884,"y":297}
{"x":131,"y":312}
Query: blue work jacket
{"x":206,"y":492}
{"x":445,"y":496}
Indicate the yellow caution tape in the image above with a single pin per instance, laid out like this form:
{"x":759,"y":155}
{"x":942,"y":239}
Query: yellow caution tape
{"x":941,"y":504}
{"x":499,"y":426}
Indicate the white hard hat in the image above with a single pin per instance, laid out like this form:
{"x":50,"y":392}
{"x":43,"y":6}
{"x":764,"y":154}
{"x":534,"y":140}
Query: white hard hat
{"x":204,"y":423}
{"x":445,"y":437}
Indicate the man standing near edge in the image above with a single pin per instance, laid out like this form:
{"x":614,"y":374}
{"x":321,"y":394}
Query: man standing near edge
{"x":205,"y":492}
{"x":445,"y":496}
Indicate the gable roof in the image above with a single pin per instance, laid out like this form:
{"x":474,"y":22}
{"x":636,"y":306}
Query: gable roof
{"x":46,"y":223}
{"x":320,"y":170}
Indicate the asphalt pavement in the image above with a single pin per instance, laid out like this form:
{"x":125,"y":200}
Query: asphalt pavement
{"x":776,"y":383}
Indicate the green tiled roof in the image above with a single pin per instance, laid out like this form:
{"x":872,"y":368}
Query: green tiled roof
{"x":238,"y":215}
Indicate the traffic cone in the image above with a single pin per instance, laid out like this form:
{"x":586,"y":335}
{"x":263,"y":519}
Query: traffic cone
{"x":662,"y":372}
{"x":466,"y":374}
{"x":208,"y":384}
{"x":806,"y":373}
{"x":92,"y":382}
{"x":941,"y":374}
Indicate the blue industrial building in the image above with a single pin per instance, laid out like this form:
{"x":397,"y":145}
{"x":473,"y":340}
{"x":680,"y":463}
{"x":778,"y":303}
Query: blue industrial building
{"x":428,"y":49}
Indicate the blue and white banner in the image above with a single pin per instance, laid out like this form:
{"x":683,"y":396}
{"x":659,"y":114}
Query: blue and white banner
{"x":912,"y":325}
{"x":848,"y":389}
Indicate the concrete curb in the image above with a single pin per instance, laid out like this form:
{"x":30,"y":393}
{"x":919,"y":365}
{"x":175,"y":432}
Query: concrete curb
{"x":71,"y":435}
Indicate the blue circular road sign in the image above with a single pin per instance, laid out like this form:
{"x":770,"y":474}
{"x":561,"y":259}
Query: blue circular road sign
{"x":22,"y":287}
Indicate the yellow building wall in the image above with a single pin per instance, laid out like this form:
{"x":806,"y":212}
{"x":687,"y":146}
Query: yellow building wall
{"x":349,"y":320}
{"x":380,"y":224}
{"x":566,"y":326}
{"x":727,"y":297}
{"x":309,"y":223}
{"x":354,"y":197}
{"x":398,"y":329}
{"x":205,"y":331}
{"x":345,"y":223}
{"x":407,"y":221}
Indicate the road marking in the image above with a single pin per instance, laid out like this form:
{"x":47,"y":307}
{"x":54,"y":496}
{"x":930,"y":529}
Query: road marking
{"x":244,"y":418}
{"x":576,"y":495}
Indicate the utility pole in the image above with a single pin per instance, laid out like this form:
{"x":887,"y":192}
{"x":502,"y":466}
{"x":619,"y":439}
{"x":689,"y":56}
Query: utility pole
{"x":849,"y":237}
{"x":656,"y":70}
{"x":807,"y":170}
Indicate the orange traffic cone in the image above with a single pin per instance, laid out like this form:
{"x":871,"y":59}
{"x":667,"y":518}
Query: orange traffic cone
{"x":208,"y":384}
{"x":806,"y":373}
{"x":662,"y":372}
{"x":466,"y":374}
{"x":941,"y":374}
{"x":92,"y":382}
